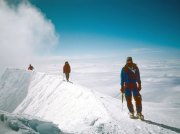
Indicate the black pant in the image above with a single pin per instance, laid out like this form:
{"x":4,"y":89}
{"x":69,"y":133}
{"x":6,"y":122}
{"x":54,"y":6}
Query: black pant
{"x":67,"y":76}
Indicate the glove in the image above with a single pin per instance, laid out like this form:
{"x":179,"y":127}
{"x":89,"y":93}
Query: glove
{"x":139,"y":86}
{"x":122,"y":89}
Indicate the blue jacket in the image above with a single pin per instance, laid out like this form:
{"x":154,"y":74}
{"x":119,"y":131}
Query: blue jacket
{"x":130,"y":75}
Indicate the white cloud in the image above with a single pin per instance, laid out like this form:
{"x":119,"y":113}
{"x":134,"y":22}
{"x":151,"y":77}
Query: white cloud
{"x":24,"y":33}
{"x":160,"y":78}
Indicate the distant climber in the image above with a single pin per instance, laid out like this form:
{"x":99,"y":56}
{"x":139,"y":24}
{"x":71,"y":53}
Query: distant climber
{"x":67,"y":70}
{"x":131,"y":85}
{"x":30,"y":67}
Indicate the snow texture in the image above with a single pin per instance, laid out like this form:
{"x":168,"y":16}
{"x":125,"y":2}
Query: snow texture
{"x":76,"y":109}
{"x":12,"y":123}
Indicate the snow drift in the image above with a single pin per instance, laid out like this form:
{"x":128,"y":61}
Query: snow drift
{"x":76,"y":109}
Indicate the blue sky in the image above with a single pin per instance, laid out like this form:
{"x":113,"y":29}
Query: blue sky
{"x":110,"y":27}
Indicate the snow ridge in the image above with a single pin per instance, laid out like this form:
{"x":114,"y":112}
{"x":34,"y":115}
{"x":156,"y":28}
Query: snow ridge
{"x":76,"y":109}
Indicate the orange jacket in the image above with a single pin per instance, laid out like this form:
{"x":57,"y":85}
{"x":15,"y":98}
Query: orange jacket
{"x":66,"y":68}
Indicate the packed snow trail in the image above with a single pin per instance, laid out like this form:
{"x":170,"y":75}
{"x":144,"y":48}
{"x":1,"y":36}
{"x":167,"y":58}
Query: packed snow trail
{"x":77,"y":109}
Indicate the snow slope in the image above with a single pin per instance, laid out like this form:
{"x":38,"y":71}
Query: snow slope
{"x":13,"y":88}
{"x":77,"y":109}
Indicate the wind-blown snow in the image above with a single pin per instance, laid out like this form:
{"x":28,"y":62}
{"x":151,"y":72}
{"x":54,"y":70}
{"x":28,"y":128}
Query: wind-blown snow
{"x":77,"y":109}
{"x":26,"y":33}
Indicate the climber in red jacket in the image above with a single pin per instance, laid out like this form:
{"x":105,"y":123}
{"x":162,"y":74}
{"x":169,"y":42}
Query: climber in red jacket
{"x":67,"y":70}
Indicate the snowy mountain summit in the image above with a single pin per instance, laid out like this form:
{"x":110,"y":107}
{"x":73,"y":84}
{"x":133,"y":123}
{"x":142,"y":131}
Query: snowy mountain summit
{"x":76,"y":109}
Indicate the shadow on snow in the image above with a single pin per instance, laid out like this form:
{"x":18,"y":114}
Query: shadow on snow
{"x":163,"y":126}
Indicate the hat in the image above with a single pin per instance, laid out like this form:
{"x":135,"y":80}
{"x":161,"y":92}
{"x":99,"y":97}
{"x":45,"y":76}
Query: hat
{"x":129,"y":59}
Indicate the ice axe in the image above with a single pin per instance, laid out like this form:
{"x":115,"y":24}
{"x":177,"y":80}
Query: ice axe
{"x":122,"y":100}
